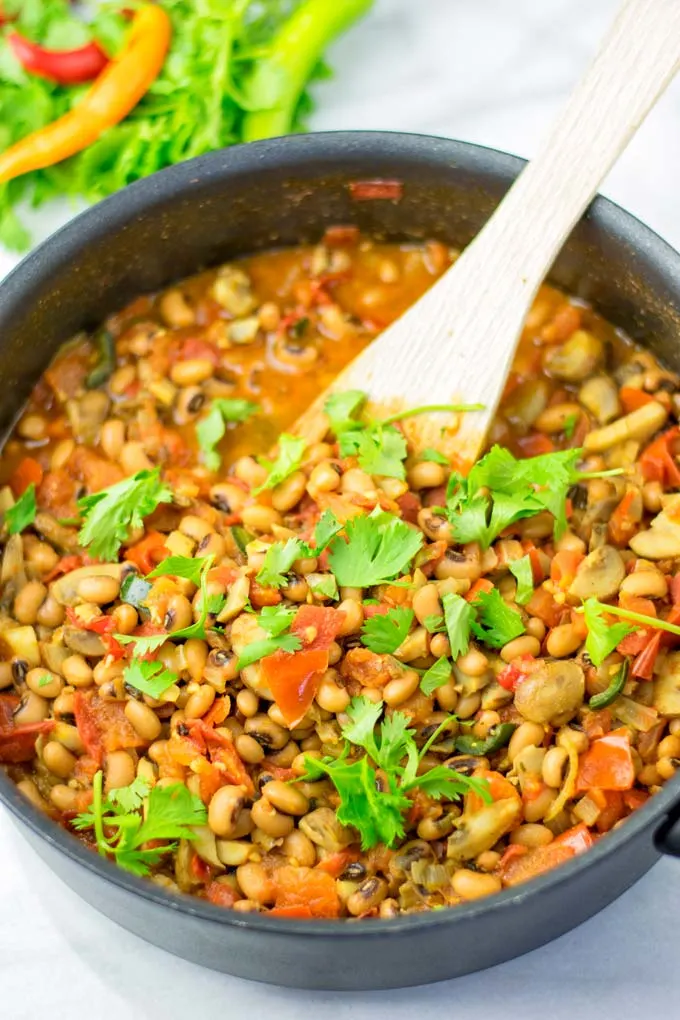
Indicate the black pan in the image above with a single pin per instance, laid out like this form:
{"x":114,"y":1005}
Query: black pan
{"x":284,"y":192}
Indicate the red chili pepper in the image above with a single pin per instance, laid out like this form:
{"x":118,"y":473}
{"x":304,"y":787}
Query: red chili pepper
{"x":66,"y":67}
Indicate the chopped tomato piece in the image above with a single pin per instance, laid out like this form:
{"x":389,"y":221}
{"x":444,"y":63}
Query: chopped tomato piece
{"x":17,"y":743}
{"x":613,"y":810}
{"x":564,"y":566}
{"x":223,"y":575}
{"x":543,"y":605}
{"x":409,"y":504}
{"x":64,"y":566}
{"x":309,"y":889}
{"x":632,"y":398}
{"x":217,"y":714}
{"x":500,"y":788}
{"x":367,"y":191}
{"x":579,"y":838}
{"x":222,"y":752}
{"x":317,"y":626}
{"x":636,"y":642}
{"x":607,"y":764}
{"x":336,"y":863}
{"x":221,"y":894}
{"x":536,"y":862}
{"x":643,"y":665}
{"x":96,"y":472}
{"x":634,"y":799}
{"x":147,"y":553}
{"x":624,"y":522}
{"x":481,"y":585}
{"x":263,"y":596}
{"x":103,"y":725}
{"x":294,"y":678}
{"x":195,"y":347}
{"x":381,"y":610}
{"x":535,"y":444}
{"x":28,"y":470}
{"x":515,"y":672}
{"x":657,"y":463}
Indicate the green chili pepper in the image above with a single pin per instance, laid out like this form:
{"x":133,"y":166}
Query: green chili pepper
{"x":106,"y":361}
{"x":498,"y":737}
{"x":615,"y":687}
{"x":280,"y":75}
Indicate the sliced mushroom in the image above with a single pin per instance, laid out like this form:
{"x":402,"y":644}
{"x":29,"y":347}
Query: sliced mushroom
{"x":88,"y":414}
{"x":236,"y":600}
{"x":53,"y":655}
{"x":662,"y":539}
{"x":551,"y":694}
{"x":204,"y":843}
{"x":324,"y":829}
{"x":599,"y":575}
{"x":85,"y":642}
{"x":13,"y":561}
{"x":600,"y":397}
{"x":579,"y":357}
{"x":478,"y":831}
{"x":232,"y":290}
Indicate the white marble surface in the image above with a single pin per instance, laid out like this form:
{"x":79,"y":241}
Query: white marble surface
{"x":490,"y":71}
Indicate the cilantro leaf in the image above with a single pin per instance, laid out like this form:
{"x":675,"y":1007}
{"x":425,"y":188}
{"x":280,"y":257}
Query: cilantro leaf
{"x":379,"y":450}
{"x":570,"y":424}
{"x":152,"y":678}
{"x":276,"y":619}
{"x":523,"y":572}
{"x":23,"y":512}
{"x":434,"y":624}
{"x":288,"y":460}
{"x":278,"y":560}
{"x":602,"y":637}
{"x":383,"y":633}
{"x":197,"y":629}
{"x":327,"y":527}
{"x":170,"y":813}
{"x":143,"y":645}
{"x":341,"y":409}
{"x":110,"y":515}
{"x":496,"y":622}
{"x":188,"y":567}
{"x":434,"y":456}
{"x":211,"y":429}
{"x":363,"y":715}
{"x":458,"y":618}
{"x":443,"y":783}
{"x":436,"y":676}
{"x":378,"y":547}
{"x":376,"y":814}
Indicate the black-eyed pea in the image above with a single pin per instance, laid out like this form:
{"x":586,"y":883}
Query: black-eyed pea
{"x":285,"y":797}
{"x":28,"y":601}
{"x":247,"y":470}
{"x":426,"y":475}
{"x":30,"y":791}
{"x":553,"y":766}
{"x":247,"y":703}
{"x":289,"y":493}
{"x":68,"y":735}
{"x":32,"y":709}
{"x":255,"y":883}
{"x":651,"y":497}
{"x":447,"y":697}
{"x":396,"y":691}
{"x":669,"y":747}
{"x":468,"y":705}
{"x":272,"y":822}
{"x":426,"y":603}
{"x":536,"y":628}
{"x":486,"y":721}
{"x":125,"y":617}
{"x":64,"y":797}
{"x":370,"y":894}
{"x":488,"y":860}
{"x":143,"y":719}
{"x":334,"y":653}
{"x":473,"y":663}
{"x":112,"y":437}
{"x":178,"y":613}
{"x":61,"y":453}
{"x":199,"y":702}
{"x":330,"y":696}
{"x":556,"y":417}
{"x":224,"y":810}
{"x":286,"y":756}
{"x":440,"y":646}
{"x":356,"y":480}
{"x":175,"y":310}
{"x":353,"y":617}
{"x":105,"y":671}
{"x":519,"y":647}
{"x":324,"y":478}
{"x":119,"y":770}
{"x":248,"y":749}
{"x":269,"y":734}
{"x":436,"y":828}
{"x":535,"y":810}
{"x":77,"y":671}
{"x":133,"y":458}
{"x":563,"y":640}
{"x":99,"y":589}
{"x":648,"y":583}
{"x":473,"y":885}
{"x":44,"y":682}
{"x":58,"y":759}
{"x":6,"y":675}
{"x":195,"y":527}
{"x":527,"y":734}
{"x":531,"y":835}
{"x":667,"y":767}
{"x":299,"y":849}
{"x":192,"y":372}
{"x":41,"y":557}
{"x":276,"y":715}
{"x":259,"y":518}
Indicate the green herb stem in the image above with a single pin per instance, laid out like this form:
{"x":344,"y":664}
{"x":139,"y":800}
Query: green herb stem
{"x":646,"y":621}
{"x":431,"y":409}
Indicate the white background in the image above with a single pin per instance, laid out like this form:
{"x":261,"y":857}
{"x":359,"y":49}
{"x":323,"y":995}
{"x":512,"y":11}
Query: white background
{"x":491,"y":71}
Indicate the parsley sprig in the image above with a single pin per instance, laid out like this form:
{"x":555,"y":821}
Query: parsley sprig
{"x":22,"y":514}
{"x":275,"y":621}
{"x":288,"y":459}
{"x":121,"y":830}
{"x":385,"y":632}
{"x":377,"y":548}
{"x":211,"y":429}
{"x":378,"y":813}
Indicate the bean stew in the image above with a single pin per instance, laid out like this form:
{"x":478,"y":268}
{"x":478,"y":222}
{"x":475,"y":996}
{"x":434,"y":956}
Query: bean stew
{"x":328,"y":675}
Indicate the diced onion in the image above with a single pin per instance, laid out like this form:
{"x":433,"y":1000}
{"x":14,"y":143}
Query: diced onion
{"x":568,"y":787}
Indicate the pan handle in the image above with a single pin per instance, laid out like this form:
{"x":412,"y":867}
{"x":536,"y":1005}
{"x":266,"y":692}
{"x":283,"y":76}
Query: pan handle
{"x":667,"y":836}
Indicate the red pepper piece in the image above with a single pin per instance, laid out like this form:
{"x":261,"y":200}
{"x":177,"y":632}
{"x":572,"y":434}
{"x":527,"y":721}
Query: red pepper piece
{"x":367,"y":191}
{"x":66,"y":67}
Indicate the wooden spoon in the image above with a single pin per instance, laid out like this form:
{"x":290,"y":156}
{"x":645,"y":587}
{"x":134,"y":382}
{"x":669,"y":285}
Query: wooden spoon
{"x":456,"y":344}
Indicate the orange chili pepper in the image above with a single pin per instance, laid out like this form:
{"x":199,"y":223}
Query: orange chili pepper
{"x":114,"y":93}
